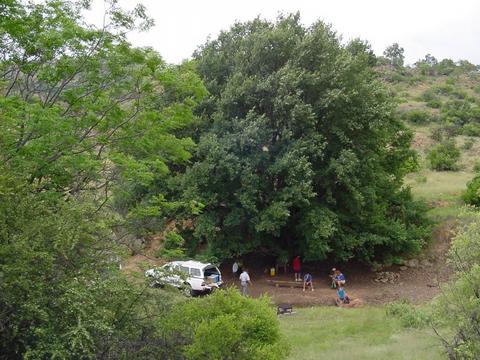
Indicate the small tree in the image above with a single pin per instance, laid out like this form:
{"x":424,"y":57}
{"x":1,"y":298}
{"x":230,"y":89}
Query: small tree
{"x":394,"y":53}
{"x":444,"y":157}
{"x":458,"y":308}
{"x":225,"y":325}
{"x":472,"y":195}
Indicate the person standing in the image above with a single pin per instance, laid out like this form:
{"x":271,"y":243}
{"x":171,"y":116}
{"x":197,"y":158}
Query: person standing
{"x":245,"y":281}
{"x":235,"y":268}
{"x":332,"y":276}
{"x":297,"y":268}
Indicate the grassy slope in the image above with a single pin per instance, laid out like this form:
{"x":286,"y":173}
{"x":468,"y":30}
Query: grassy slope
{"x":441,"y":190}
{"x":363,"y":333}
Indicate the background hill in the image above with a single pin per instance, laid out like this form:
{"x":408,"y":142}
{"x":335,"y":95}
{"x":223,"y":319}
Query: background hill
{"x":440,"y":103}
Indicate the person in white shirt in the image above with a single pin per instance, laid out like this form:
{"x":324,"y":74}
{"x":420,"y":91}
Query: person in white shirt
{"x":235,"y":268}
{"x":245,"y":281}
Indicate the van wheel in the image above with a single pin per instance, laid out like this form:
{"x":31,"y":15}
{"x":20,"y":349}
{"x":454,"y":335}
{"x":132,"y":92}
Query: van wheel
{"x":187,"y":290}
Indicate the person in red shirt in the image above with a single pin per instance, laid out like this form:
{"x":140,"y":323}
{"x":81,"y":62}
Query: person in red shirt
{"x":297,"y":268}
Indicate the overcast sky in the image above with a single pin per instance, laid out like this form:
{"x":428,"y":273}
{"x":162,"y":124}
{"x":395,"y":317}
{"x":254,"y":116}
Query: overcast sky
{"x":444,"y":28}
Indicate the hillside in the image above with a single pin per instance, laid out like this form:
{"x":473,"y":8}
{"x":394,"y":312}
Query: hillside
{"x":440,"y":104}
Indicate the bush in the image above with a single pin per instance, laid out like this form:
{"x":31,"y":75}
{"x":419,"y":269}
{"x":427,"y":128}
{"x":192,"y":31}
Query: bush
{"x":472,"y":195}
{"x":456,"y":312}
{"x":476,"y":166}
{"x":468,"y":144}
{"x":451,"y":130}
{"x":437,"y":134}
{"x":431,"y":98}
{"x":429,"y":95}
{"x":225,"y":325}
{"x":471,"y":129}
{"x":444,"y":157}
{"x":172,"y":247}
{"x":435,"y":103}
{"x":444,"y":89}
{"x":418,"y":116}
{"x":409,"y":316}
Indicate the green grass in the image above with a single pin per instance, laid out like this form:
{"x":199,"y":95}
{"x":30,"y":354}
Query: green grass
{"x":442,"y":190}
{"x":439,"y":185}
{"x":361,"y":333}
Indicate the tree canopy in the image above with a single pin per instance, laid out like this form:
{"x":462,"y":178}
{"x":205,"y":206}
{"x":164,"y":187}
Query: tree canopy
{"x":302,"y":151}
{"x":394,"y":53}
{"x":82,"y":111}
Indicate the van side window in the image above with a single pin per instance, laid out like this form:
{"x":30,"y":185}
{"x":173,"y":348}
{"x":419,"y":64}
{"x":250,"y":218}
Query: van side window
{"x":195,"y":272}
{"x":184,"y":269}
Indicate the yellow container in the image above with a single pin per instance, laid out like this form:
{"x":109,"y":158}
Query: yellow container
{"x":272,"y":271}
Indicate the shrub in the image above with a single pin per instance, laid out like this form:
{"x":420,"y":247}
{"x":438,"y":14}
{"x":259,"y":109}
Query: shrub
{"x":409,"y":316}
{"x":434,"y":103}
{"x":457,"y":112}
{"x":437,"y":134}
{"x":468,"y":144}
{"x":225,"y":325}
{"x":444,"y":157}
{"x":476,"y":166}
{"x":451,"y":130}
{"x":451,"y":81}
{"x":172,"y":247}
{"x":444,"y":89}
{"x":471,"y":129}
{"x":429,"y":95}
{"x":472,"y":195}
{"x":456,"y":312}
{"x":418,"y":116}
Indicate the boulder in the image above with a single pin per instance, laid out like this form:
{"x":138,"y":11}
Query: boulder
{"x":413,"y":263}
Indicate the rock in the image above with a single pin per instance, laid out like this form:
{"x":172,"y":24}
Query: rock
{"x":413,"y":263}
{"x":403,"y":268}
{"x":376,"y":267}
{"x":387,"y":277}
{"x":426,"y":263}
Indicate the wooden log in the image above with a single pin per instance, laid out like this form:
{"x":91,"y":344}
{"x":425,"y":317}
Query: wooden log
{"x":283,"y":283}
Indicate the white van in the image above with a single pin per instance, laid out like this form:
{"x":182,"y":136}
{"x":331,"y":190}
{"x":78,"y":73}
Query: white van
{"x":192,"y":277}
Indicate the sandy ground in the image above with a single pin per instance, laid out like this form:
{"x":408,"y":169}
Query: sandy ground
{"x":417,"y":284}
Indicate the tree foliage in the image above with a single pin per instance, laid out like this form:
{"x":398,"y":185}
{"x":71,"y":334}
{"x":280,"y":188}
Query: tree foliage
{"x":458,"y":308}
{"x":82,"y":112}
{"x":444,"y":156}
{"x":303,"y":153}
{"x":225,"y":325}
{"x":81,"y":108}
{"x":394,"y":53}
{"x":61,"y":293}
{"x":471,"y":195}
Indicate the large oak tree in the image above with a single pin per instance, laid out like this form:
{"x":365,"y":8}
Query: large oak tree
{"x":302,"y":151}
